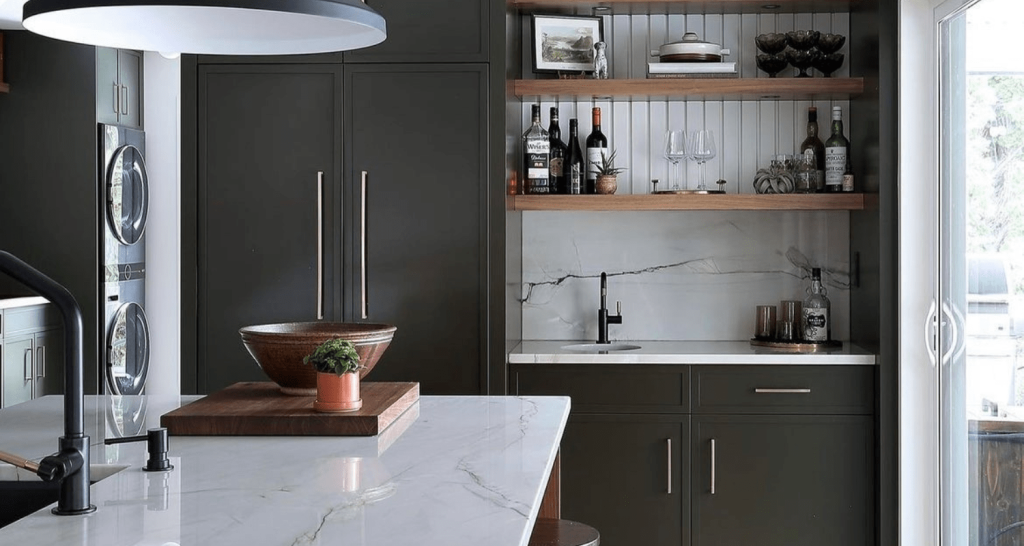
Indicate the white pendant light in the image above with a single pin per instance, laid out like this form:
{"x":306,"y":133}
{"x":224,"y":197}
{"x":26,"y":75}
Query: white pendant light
{"x":225,"y":27}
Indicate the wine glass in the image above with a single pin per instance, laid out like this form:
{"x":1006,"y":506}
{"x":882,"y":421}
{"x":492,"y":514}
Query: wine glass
{"x":702,"y":148}
{"x":675,"y":152}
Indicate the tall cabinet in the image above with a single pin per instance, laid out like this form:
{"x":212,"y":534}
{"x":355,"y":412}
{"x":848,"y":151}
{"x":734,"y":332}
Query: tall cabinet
{"x":342,"y":187}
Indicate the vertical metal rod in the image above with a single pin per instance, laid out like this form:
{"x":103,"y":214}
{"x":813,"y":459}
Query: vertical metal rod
{"x":362,"y":259}
{"x":712,"y":466}
{"x":668,"y":445}
{"x":27,"y":364}
{"x":117,"y":99}
{"x":41,"y":351}
{"x":319,"y":245}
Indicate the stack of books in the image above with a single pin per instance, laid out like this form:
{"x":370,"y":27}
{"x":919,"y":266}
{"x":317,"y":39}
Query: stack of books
{"x":692,"y":70}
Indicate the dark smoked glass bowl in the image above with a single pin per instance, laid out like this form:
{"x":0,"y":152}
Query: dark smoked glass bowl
{"x":802,"y":39}
{"x":830,"y":43}
{"x":827,"y":64}
{"x":772,"y":64}
{"x":772,"y":42}
{"x":802,"y":60}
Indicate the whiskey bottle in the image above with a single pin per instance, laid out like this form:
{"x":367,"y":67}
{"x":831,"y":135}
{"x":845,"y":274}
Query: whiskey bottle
{"x":536,"y":152}
{"x":836,"y":150}
{"x":817,"y":319}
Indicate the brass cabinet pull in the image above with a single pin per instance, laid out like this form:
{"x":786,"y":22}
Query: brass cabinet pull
{"x":320,"y":245}
{"x":712,"y":466}
{"x":362,"y":260}
{"x":668,"y":445}
{"x":783,"y":391}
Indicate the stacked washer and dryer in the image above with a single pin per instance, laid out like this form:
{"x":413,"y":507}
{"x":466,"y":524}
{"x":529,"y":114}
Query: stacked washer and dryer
{"x":125,"y":207}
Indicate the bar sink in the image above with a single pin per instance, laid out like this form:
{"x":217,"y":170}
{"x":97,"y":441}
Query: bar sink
{"x":600,"y":347}
{"x":23,"y":493}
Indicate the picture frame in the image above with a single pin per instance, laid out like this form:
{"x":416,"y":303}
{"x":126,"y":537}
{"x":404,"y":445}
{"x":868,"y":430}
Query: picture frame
{"x":565,"y":43}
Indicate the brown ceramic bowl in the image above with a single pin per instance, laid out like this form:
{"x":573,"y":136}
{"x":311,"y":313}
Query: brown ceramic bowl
{"x":280,"y":348}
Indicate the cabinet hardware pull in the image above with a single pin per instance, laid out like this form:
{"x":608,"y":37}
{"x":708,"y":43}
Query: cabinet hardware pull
{"x":125,"y":109}
{"x":117,"y":99}
{"x":362,"y":238}
{"x":320,"y":245}
{"x":712,"y":466}
{"x":668,"y":445}
{"x":27,"y":367}
{"x":783,"y":391}
{"x":41,"y":352}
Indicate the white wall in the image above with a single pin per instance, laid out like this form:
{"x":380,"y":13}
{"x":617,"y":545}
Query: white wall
{"x":162,"y":82}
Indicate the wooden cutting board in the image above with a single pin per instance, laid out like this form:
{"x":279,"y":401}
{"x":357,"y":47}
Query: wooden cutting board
{"x":260,"y":409}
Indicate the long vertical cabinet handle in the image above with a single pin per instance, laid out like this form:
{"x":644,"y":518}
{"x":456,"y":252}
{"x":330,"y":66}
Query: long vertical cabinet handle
{"x":712,"y":466}
{"x":28,"y":364}
{"x":117,"y":99}
{"x":41,"y":353}
{"x":668,"y":474}
{"x":125,"y":108}
{"x":362,"y":250}
{"x":930,"y":327}
{"x":319,"y":245}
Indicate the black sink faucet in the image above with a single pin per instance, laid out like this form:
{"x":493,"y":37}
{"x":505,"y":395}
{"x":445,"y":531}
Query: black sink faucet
{"x":70,"y":465}
{"x":603,"y":320}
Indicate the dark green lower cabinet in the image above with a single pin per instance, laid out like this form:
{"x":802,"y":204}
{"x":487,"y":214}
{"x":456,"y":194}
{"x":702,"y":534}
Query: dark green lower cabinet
{"x":782,"y":480}
{"x":625,"y":475}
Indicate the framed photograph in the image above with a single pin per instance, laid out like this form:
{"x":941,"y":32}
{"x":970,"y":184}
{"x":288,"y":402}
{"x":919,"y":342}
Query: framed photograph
{"x":565,"y":43}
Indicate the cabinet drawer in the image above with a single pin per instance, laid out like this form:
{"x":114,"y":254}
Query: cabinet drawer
{"x":783,"y":389}
{"x":35,"y":318}
{"x":604,"y":388}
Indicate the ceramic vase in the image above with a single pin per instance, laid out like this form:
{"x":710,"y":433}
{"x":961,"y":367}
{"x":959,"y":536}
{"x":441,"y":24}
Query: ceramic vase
{"x":337,"y":393}
{"x":606,"y":184}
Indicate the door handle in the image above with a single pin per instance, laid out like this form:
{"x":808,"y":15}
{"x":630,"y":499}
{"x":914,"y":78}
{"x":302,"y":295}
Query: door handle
{"x":28,"y":364}
{"x":713,"y":466}
{"x":364,"y":311}
{"x":930,"y":342}
{"x":320,"y":245}
{"x":125,"y":109}
{"x":41,"y":353}
{"x":117,"y":99}
{"x":668,"y":474}
{"x":783,"y":391}
{"x":954,"y":338}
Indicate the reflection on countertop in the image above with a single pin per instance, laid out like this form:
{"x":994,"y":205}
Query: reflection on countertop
{"x":686,"y":352}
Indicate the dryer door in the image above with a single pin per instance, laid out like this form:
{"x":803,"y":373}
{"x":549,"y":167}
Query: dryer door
{"x":127,"y":194}
{"x":128,"y":350}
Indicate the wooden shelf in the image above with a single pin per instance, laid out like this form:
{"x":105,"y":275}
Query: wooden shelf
{"x":791,"y":201}
{"x":693,"y":89}
{"x":638,"y":7}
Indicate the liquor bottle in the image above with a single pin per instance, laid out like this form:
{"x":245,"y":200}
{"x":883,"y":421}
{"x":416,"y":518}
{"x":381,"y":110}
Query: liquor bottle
{"x":537,"y":149}
{"x":575,"y":176}
{"x":813,"y":142}
{"x":817,"y":319}
{"x":558,"y":151}
{"x":836,"y":150}
{"x":848,"y":174}
{"x":596,"y":145}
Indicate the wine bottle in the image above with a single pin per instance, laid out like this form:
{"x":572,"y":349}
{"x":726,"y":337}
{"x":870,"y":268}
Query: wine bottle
{"x":536,"y":151}
{"x":836,"y":149}
{"x":817,"y":319}
{"x":813,"y":142}
{"x":558,"y":151}
{"x":574,"y":164}
{"x":597,"y":144}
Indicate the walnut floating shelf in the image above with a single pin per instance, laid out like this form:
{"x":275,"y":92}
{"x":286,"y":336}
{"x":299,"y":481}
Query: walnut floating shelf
{"x":637,"y":7}
{"x":693,"y":89}
{"x":791,"y":201}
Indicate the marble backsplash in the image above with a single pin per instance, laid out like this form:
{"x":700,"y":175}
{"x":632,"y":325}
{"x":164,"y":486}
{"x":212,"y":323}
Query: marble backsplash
{"x":690,"y":275}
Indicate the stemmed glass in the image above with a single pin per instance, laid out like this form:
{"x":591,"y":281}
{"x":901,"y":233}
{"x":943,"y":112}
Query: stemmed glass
{"x":702,"y":148}
{"x":675,"y":153}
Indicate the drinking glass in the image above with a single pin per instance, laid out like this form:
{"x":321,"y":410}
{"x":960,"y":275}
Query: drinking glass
{"x":702,"y":148}
{"x":675,"y":153}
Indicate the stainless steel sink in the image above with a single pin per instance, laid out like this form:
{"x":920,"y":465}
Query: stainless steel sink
{"x":23,"y":493}
{"x":600,"y":347}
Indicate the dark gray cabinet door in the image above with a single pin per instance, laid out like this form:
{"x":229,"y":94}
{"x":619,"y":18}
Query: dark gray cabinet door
{"x":265,"y":135}
{"x":416,"y":143}
{"x":108,"y":88}
{"x":429,"y":31}
{"x":616,"y":477}
{"x":783,"y":480}
{"x":119,"y":89}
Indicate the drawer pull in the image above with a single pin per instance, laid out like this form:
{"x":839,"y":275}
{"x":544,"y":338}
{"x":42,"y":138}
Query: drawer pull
{"x":27,"y":364}
{"x":668,"y":444}
{"x":712,"y":466}
{"x":783,"y":391}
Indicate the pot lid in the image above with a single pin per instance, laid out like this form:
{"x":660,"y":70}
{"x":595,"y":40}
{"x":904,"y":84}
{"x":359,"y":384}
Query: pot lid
{"x":692,"y":38}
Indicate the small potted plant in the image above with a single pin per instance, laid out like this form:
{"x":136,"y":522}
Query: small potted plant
{"x":337,"y":380}
{"x":607,"y":173}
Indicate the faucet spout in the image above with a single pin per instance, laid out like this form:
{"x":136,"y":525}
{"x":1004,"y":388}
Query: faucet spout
{"x":602,"y":314}
{"x":71,"y":462}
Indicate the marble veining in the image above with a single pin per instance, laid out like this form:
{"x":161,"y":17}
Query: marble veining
{"x":451,"y":471}
{"x":679,"y":275}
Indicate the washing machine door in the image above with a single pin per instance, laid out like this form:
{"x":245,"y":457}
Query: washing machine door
{"x":128,"y":350}
{"x":127,"y":194}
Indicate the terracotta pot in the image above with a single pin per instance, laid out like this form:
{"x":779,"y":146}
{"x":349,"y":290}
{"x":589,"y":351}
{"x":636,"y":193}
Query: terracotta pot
{"x":606,"y":184}
{"x":337,"y":393}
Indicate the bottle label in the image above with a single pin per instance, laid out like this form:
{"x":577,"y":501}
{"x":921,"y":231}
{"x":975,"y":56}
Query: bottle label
{"x":537,"y":170}
{"x":815,"y":324}
{"x":575,"y":179}
{"x":848,"y":182}
{"x":543,"y":146}
{"x":835,"y":165}
{"x":594,"y":159}
{"x":556,"y":166}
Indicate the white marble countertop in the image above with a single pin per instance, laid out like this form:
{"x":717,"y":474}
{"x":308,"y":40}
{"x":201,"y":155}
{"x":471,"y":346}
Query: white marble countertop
{"x":684,"y":352}
{"x":452,"y":471}
{"x":9,"y":303}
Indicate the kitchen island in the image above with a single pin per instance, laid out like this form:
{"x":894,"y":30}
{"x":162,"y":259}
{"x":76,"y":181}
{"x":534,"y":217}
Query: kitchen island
{"x":451,"y":471}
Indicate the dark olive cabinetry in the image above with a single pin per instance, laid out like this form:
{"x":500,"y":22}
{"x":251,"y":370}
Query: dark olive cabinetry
{"x":710,"y":455}
{"x":429,"y":31}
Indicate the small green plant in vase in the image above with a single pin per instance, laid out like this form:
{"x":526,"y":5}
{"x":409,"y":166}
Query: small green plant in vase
{"x":337,"y":380}
{"x":607,"y":173}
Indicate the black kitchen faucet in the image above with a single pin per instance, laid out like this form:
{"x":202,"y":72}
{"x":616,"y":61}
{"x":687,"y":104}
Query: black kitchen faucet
{"x":603,"y":320}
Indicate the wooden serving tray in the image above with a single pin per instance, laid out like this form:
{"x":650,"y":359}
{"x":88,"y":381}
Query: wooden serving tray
{"x":260,"y":409}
